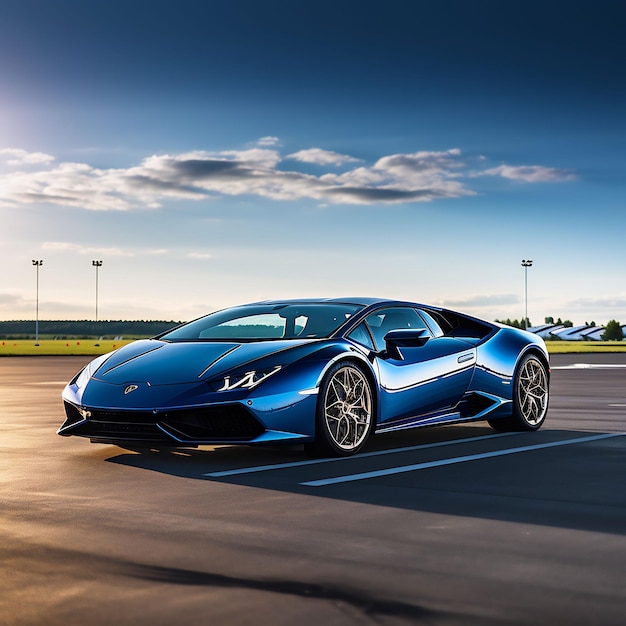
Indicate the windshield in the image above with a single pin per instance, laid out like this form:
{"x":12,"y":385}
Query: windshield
{"x":267,"y":321}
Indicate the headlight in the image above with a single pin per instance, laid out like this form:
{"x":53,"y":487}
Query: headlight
{"x":249,"y":380}
{"x":82,"y":378}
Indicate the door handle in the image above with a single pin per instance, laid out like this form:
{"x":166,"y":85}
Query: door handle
{"x":468,"y":356}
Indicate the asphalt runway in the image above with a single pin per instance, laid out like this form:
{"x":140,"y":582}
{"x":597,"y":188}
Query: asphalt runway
{"x":447,"y":525}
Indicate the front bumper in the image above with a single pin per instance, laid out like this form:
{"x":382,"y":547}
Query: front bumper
{"x":253,"y":419}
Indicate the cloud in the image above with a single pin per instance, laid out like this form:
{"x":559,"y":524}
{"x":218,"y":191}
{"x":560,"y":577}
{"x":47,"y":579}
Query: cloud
{"x":267,"y":142}
{"x":413,"y":177}
{"x":15,"y":306}
{"x":64,"y":246}
{"x":202,"y":175}
{"x":420,"y":162}
{"x":10,"y":299}
{"x":22,"y":157}
{"x":482,"y":301}
{"x":69,"y":184}
{"x":530,"y":173}
{"x":317,"y":156}
{"x":355,"y":195}
{"x":612,"y":302}
{"x":199,"y":255}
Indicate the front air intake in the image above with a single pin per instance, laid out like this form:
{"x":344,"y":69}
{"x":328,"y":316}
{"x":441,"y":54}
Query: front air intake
{"x":223,"y":422}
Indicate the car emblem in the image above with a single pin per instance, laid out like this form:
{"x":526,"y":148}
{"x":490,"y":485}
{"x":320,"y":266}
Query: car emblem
{"x":130,"y":389}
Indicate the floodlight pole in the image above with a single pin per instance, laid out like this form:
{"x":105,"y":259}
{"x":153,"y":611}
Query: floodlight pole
{"x":526,"y":263}
{"x":97,"y":265}
{"x":37,"y":264}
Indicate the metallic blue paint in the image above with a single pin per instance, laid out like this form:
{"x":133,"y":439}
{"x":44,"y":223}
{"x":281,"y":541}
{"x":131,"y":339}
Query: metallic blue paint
{"x":155,"y":392}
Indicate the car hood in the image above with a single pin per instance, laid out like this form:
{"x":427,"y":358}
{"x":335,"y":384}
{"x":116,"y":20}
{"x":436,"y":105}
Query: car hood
{"x":162,"y":363}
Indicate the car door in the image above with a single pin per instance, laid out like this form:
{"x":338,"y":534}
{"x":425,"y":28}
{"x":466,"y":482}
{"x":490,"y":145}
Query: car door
{"x":418,"y":381}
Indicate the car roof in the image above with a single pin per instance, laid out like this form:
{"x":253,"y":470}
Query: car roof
{"x":361,"y":301}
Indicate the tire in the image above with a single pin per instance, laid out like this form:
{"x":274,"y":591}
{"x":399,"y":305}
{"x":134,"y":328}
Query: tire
{"x":530,"y":397}
{"x":344,"y":415}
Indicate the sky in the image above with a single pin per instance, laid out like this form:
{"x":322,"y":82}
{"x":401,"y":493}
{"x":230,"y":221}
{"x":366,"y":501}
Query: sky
{"x":213,"y":153}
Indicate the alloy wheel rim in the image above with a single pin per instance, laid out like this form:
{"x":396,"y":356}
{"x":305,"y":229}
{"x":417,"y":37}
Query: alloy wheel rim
{"x":533,"y":392}
{"x":348,"y":408}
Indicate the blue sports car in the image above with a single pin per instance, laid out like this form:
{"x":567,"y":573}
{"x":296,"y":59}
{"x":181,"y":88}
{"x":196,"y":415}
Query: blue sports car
{"x":325,"y":373}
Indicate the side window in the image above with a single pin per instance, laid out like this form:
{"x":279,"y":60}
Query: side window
{"x":360,"y":335}
{"x":432,"y":324}
{"x":381,"y":322}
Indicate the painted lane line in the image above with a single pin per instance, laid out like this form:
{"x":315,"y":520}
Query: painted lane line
{"x":265,"y":468}
{"x":619,"y":405}
{"x":589,"y":366}
{"x":459,"y":459}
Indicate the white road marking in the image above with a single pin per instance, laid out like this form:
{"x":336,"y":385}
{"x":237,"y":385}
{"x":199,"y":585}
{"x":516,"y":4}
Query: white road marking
{"x":459,"y":459}
{"x":589,"y":366}
{"x":617,"y":405}
{"x":265,"y":468}
{"x":48,"y":382}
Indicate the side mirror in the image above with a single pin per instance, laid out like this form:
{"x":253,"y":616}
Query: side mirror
{"x":404,"y":338}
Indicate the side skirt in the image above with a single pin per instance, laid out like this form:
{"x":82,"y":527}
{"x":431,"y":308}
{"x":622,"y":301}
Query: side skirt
{"x":473,"y":406}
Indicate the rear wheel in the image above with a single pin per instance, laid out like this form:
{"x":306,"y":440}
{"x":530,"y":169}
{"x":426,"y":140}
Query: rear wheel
{"x":344,"y":414}
{"x":530,"y":397}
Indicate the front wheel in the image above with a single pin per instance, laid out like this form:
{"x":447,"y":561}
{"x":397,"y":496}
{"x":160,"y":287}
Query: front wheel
{"x":530,"y":397}
{"x":344,"y":415}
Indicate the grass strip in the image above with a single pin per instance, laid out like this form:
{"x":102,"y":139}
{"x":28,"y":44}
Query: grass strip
{"x":60,"y":347}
